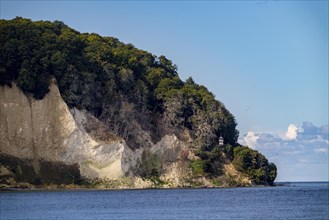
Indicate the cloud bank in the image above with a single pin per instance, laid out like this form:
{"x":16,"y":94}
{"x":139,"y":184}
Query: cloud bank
{"x":300,"y":153}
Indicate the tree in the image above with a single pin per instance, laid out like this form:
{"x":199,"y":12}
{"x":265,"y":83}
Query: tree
{"x":272,"y":173}
{"x":167,"y":65}
{"x":255,"y":165}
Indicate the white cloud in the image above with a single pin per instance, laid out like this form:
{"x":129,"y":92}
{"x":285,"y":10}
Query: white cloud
{"x":321,"y":150}
{"x":297,"y":150}
{"x":250,"y":139}
{"x":291,"y":133}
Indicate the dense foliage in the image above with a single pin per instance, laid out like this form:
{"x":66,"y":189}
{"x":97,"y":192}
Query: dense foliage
{"x":255,"y":165}
{"x":113,"y":80}
{"x":120,"y":84}
{"x":248,"y":161}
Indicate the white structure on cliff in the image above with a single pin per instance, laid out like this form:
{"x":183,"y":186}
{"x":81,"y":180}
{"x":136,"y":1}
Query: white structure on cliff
{"x":220,"y":141}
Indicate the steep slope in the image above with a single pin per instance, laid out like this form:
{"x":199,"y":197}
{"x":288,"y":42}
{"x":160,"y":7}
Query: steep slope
{"x":46,"y":130}
{"x":99,"y":108}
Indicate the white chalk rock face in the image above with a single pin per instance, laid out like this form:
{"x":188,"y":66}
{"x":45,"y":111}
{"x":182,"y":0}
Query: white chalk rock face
{"x":46,"y":129}
{"x":32,"y":128}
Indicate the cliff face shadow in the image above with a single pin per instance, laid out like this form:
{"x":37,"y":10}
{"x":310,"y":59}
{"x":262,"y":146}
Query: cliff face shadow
{"x":22,"y":170}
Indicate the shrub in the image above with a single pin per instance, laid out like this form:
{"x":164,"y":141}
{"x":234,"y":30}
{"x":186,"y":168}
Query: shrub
{"x":198,"y":166}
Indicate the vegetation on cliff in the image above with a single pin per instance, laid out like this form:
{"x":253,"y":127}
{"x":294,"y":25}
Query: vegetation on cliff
{"x":118,"y":84}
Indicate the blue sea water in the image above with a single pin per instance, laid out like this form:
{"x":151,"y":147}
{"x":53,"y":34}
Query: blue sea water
{"x":289,"y":201}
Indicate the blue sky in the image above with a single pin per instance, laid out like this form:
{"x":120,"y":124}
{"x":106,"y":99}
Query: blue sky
{"x":267,"y":61}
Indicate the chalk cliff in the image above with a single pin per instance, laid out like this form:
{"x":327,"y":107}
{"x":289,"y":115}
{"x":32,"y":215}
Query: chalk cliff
{"x":47,"y":130}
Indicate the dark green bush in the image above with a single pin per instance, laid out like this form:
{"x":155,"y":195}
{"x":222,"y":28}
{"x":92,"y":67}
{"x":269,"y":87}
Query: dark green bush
{"x":255,"y":165}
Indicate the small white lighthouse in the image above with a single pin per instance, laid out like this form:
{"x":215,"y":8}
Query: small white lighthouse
{"x":220,"y":141}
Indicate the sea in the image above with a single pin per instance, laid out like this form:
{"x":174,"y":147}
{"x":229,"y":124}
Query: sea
{"x":286,"y":201}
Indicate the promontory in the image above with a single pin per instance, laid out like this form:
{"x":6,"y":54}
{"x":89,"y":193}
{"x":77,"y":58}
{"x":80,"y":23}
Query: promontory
{"x":83,"y":110}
